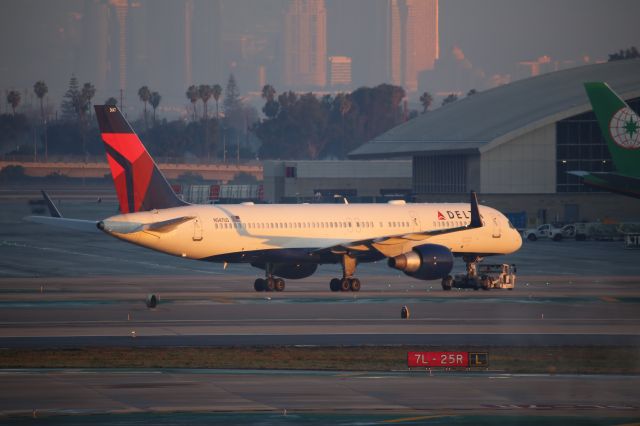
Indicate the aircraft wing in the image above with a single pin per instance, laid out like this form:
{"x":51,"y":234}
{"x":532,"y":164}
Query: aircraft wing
{"x":119,"y":227}
{"x":63,"y":222}
{"x":613,"y":182}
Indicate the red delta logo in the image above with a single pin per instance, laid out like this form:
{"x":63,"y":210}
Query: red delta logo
{"x":454,"y":214}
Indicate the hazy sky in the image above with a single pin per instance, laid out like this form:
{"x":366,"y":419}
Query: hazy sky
{"x":493,"y":34}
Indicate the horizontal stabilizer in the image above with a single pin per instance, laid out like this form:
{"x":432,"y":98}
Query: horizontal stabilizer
{"x":53,"y":210}
{"x":119,"y":227}
{"x":61,"y":222}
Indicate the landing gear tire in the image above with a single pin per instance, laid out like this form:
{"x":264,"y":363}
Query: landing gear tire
{"x":345,"y":284}
{"x":447,"y":283}
{"x":279,"y":284}
{"x":474,"y":284}
{"x":259,"y":284}
{"x":485,"y":283}
{"x":270,"y":284}
{"x":334,"y":284}
{"x":354,"y":284}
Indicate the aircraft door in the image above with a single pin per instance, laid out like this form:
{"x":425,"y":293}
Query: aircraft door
{"x":415,"y":221}
{"x":496,"y":228}
{"x":197,"y":229}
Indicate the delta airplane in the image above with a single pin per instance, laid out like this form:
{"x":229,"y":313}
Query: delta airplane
{"x":620,"y":127}
{"x":288,"y":241}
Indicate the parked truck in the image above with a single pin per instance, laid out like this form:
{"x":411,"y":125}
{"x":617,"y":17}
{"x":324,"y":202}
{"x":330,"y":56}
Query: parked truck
{"x":550,"y":231}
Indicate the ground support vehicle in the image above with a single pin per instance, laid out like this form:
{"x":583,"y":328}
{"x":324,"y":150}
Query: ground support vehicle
{"x":484,"y":277}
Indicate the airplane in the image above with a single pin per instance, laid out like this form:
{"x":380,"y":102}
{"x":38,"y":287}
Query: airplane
{"x":620,"y":127}
{"x":288,"y":241}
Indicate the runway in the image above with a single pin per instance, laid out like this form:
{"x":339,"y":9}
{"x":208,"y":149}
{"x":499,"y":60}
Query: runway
{"x":394,"y":395}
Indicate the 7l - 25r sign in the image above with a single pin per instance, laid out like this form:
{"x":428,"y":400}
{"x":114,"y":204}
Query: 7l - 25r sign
{"x":438,"y":359}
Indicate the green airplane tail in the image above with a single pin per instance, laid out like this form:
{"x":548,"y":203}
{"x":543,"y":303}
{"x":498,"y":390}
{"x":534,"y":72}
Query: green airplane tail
{"x":620,"y":127}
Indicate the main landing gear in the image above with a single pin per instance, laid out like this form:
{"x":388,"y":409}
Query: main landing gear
{"x":348,"y":281}
{"x":468,"y":280}
{"x":270,"y":283}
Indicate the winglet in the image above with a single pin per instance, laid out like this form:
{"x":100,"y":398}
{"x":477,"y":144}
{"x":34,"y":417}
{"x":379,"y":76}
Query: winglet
{"x":53,"y":210}
{"x":476,"y":221}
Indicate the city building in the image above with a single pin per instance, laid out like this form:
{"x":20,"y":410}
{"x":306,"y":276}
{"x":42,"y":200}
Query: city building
{"x":413,"y":40}
{"x":305,"y":44}
{"x":515,"y":144}
{"x":339,"y":71}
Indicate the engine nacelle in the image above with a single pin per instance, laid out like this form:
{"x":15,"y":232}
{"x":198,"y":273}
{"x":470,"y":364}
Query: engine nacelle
{"x":425,"y":262}
{"x":294,"y":271}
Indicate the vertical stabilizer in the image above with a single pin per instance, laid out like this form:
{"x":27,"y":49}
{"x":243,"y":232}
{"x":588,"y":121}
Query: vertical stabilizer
{"x":620,"y":127}
{"x":139,"y":183}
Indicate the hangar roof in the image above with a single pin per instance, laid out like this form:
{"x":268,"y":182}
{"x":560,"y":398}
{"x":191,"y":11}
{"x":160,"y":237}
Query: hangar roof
{"x":487,"y":119}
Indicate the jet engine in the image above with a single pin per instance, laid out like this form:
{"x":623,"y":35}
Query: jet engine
{"x":425,"y":262}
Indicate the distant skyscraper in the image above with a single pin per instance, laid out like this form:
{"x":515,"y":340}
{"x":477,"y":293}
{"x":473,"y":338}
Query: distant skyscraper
{"x":413,"y":40}
{"x":122,"y":7}
{"x":305,"y":44}
{"x":339,"y":70}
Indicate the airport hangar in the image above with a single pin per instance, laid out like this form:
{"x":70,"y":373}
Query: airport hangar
{"x":514,"y":145}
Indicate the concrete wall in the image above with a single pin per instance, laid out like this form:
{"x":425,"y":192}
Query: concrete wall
{"x":524,"y":165}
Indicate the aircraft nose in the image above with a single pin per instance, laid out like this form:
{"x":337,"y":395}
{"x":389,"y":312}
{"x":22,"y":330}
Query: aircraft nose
{"x":517,"y":240}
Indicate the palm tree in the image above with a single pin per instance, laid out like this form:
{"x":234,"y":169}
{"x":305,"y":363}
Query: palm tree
{"x":111,"y":101}
{"x":86,"y":95}
{"x":154,"y":100}
{"x":345,"y":106}
{"x":216,"y":92}
{"x":13,"y":98}
{"x":205,"y":92}
{"x":192,"y":95}
{"x":426,"y":100}
{"x":40,"y":89}
{"x":268,"y":92}
{"x":271,"y":106}
{"x":144,"y":93}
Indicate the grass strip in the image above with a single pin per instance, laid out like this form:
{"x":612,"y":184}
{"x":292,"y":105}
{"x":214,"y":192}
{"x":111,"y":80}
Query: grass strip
{"x":565,"y":360}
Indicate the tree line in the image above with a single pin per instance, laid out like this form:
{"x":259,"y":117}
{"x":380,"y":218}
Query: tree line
{"x":294,"y":126}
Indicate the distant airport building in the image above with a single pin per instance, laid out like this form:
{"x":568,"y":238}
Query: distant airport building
{"x":339,"y":71}
{"x":515,"y":144}
{"x":305,"y":44}
{"x":413,"y":40}
{"x":327,"y":181}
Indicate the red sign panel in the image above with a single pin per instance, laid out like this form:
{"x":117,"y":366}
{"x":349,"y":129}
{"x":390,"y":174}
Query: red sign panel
{"x":438,"y":359}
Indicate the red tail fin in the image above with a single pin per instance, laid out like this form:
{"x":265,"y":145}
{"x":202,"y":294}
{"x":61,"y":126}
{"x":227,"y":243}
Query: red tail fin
{"x":139,"y":183}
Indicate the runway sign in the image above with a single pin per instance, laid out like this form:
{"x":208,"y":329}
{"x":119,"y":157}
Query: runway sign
{"x":447,"y":359}
{"x":438,"y":359}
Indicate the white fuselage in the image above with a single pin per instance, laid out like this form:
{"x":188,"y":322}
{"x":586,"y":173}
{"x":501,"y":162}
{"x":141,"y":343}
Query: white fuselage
{"x":218,"y":230}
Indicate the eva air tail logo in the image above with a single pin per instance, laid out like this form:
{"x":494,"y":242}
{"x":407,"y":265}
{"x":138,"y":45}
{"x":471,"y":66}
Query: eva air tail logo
{"x":624,"y":128}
